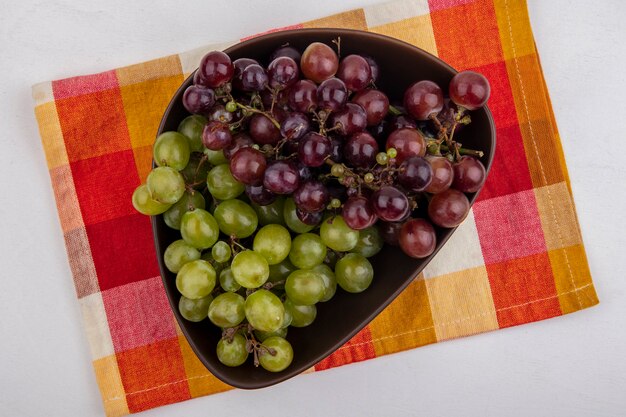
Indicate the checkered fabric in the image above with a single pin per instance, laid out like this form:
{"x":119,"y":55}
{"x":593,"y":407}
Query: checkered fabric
{"x":518,"y":258}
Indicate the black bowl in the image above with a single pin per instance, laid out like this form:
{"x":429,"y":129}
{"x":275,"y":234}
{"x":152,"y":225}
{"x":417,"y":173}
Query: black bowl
{"x":339,"y":319}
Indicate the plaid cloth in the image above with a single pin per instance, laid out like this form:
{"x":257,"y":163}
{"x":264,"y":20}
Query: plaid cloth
{"x":518,"y":258}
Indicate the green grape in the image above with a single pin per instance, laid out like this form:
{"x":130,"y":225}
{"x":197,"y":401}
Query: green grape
{"x":227,"y":281}
{"x":227,"y":310}
{"x":272,"y":213}
{"x":188,"y":201}
{"x":192,"y":127}
{"x":232,"y":353}
{"x":331,"y":258}
{"x":337,"y":235}
{"x":330,"y":282}
{"x":305,"y":287}
{"x":287,"y":319}
{"x":216,"y":265}
{"x":370,"y":242}
{"x":354,"y":273}
{"x":264,"y":311}
{"x":196,"y":279}
{"x":166,"y":185}
{"x":221,"y":251}
{"x":194,"y":310}
{"x":178,"y":253}
{"x":199,"y":228}
{"x":144,"y":204}
{"x":301,"y":316}
{"x":291,"y":218}
{"x":281,"y":357}
{"x":250,"y":269}
{"x":236,"y":218}
{"x":196,"y":171}
{"x":281,"y":271}
{"x":262,"y":336}
{"x":273,"y":242}
{"x":221,"y":183}
{"x":307,"y":250}
{"x":215,"y":157}
{"x":171,"y":149}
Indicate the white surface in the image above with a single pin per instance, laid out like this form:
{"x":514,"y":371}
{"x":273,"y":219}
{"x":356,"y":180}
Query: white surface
{"x":569,"y":366}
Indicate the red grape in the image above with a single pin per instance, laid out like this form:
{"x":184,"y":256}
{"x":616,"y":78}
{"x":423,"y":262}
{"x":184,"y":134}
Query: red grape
{"x":355,"y":72}
{"x":282,"y":72}
{"x":443,"y":174}
{"x":216,"y":69}
{"x":304,"y":172}
{"x":390,"y":232}
{"x":216,"y":135}
{"x":375,"y":103}
{"x":448,"y":208}
{"x":259,"y":195}
{"x":197,"y":79}
{"x":349,"y":120}
{"x":314,"y":149}
{"x":417,"y":238}
{"x":248,"y":166}
{"x":415,"y":174}
{"x":319,"y":62}
{"x":469,"y":89}
{"x":358,"y":213}
{"x":311,"y":196}
{"x":469,"y":175}
{"x":332,"y":94}
{"x":336,"y":153}
{"x":373,"y":67}
{"x":360,"y":150}
{"x":295,"y":125}
{"x":253,"y":78}
{"x":198,"y":99}
{"x":281,"y":177}
{"x":309,"y":218}
{"x":401,"y":121}
{"x":408,"y":143}
{"x":390,"y":204}
{"x":303,"y":96}
{"x":423,"y":99}
{"x":240,"y":140}
{"x":263,"y":131}
{"x":288,"y":51}
{"x":219,"y":114}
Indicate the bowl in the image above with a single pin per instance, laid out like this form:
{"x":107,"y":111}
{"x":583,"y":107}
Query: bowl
{"x":345,"y":314}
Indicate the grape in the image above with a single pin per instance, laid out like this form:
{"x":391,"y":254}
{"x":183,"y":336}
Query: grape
{"x":415,"y":174}
{"x":443,"y":174}
{"x":216,"y":69}
{"x":307,"y":251}
{"x":194,"y":310}
{"x":358,"y":213}
{"x":199,"y":228}
{"x":283,"y":72}
{"x":263,"y":336}
{"x":259,"y":195}
{"x":178,"y":253}
{"x":319,"y":62}
{"x":370,"y":242}
{"x":189,"y":201}
{"x":349,"y":120}
{"x":263,"y":130}
{"x":144,"y":204}
{"x":312,"y":196}
{"x":240,"y":140}
{"x":171,"y":149}
{"x":215,"y":157}
{"x":288,"y":51}
{"x":417,"y":238}
{"x":196,"y":171}
{"x":196,"y":279}
{"x":254,"y":78}
{"x":197,"y":79}
{"x":236,"y":218}
{"x":271,"y":213}
{"x":282,"y":357}
{"x":191,"y":127}
{"x":422,"y":99}
{"x":221,"y":251}
{"x":305,"y":287}
{"x":281,"y":271}
{"x":308,"y":218}
{"x":390,"y":204}
{"x":375,"y":103}
{"x":207,"y":256}
{"x":469,"y":175}
{"x":250,"y":269}
{"x":390,"y":232}
{"x":336,"y":153}
{"x":448,"y":208}
{"x":281,"y":177}
{"x":469,"y":89}
{"x":354,"y":273}
{"x":248,"y":165}
{"x":166,"y":185}
{"x":264,"y":311}
{"x":227,"y":310}
{"x":303,"y":96}
{"x":330,"y":283}
{"x":295,"y":125}
{"x":241,"y":63}
{"x":355,"y":71}
{"x":221,"y":183}
{"x":314,"y":149}
{"x":402,"y":121}
{"x":198,"y":99}
{"x":301,"y":316}
{"x":219,"y":114}
{"x":304,"y":172}
{"x":337,"y":235}
{"x":216,"y":135}
{"x":232,"y":353}
{"x":291,"y":218}
{"x":360,"y":150}
{"x":227,"y":281}
{"x":407,"y":142}
{"x":332,"y":94}
{"x":375,"y":69}
{"x":273,"y":242}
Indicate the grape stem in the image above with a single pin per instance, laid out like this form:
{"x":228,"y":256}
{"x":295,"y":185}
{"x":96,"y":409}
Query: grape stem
{"x":254,"y":110}
{"x":465,"y":151}
{"x":394,"y":110}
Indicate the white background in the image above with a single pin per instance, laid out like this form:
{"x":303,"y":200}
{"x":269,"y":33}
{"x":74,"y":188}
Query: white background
{"x":569,"y":366}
